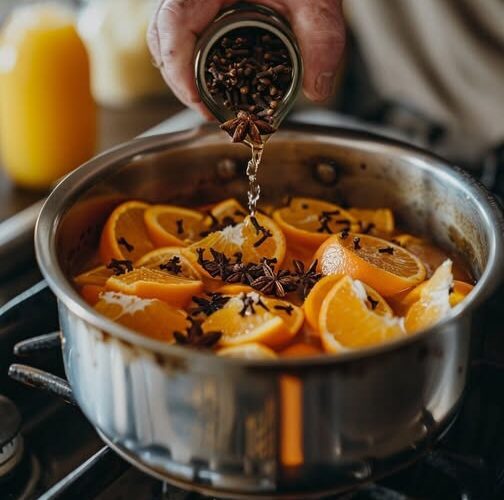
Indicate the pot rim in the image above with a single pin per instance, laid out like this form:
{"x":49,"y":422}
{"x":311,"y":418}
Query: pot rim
{"x":71,"y":186}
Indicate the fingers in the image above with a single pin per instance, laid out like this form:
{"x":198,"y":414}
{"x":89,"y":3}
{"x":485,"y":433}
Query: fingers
{"x":171,"y":38}
{"x":320,"y":29}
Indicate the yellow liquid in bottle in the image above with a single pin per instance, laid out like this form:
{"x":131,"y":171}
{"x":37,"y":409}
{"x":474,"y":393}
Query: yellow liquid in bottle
{"x":47,"y":113}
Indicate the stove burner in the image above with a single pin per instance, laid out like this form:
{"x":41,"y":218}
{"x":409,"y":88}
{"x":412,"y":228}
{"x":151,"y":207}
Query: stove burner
{"x":11,"y":442}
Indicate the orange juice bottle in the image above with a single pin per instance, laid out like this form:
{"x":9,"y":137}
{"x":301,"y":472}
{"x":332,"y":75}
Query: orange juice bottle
{"x":47,"y":113}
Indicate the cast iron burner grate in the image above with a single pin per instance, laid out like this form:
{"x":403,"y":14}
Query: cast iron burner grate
{"x":467,"y":464}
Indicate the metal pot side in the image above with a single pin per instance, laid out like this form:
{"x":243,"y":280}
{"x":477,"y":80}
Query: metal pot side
{"x":290,"y":428}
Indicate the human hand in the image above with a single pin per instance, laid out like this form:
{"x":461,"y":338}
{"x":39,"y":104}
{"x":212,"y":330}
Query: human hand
{"x":318,"y":25}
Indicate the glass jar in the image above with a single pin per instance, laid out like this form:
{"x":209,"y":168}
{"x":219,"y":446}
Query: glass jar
{"x":114,"y":31}
{"x":47,"y":112}
{"x":244,"y":15}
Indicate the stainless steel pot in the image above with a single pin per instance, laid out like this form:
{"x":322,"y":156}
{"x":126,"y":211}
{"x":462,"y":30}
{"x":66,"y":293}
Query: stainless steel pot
{"x":288,"y":428}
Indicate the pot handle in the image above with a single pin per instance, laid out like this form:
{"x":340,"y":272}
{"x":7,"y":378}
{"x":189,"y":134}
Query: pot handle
{"x":42,"y":380}
{"x":34,"y":345}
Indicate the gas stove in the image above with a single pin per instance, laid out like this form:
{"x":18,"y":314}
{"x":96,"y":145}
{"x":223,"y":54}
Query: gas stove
{"x":48,"y":449}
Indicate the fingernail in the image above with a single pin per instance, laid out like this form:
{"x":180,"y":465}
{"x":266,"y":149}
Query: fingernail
{"x":325,"y":84}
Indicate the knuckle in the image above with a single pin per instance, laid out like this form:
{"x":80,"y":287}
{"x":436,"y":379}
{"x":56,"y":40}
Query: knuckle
{"x":177,"y":9}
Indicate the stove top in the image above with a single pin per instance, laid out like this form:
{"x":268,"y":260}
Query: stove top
{"x":48,"y":449}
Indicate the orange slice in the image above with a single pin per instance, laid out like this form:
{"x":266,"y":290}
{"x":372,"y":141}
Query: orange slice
{"x":434,"y":302}
{"x":151,"y":317}
{"x":381,"y":219}
{"x":431,"y":256}
{"x":347,"y":321}
{"x":267,"y":208}
{"x":155,"y":284}
{"x":245,"y":238}
{"x":162,"y":257}
{"x":170,"y":225}
{"x":252,"y":350}
{"x":303,"y":219}
{"x":386,"y":267}
{"x":124,"y":235}
{"x":240,"y":324}
{"x":91,"y":293}
{"x":319,"y":292}
{"x":300,"y":350}
{"x":229,"y":209}
{"x":459,"y":291}
{"x":234,"y":289}
{"x":97,"y":276}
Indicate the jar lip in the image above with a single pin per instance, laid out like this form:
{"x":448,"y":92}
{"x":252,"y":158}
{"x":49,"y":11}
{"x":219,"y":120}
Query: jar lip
{"x":211,"y":36}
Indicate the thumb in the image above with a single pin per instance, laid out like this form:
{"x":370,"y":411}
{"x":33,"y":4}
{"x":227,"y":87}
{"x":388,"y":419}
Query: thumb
{"x":320,"y":29}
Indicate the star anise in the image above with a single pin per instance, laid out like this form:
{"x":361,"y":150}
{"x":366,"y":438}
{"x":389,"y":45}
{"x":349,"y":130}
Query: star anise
{"x":240,"y":272}
{"x":274,"y":283}
{"x":195,"y":337}
{"x":172,"y":265}
{"x":120,"y":266}
{"x":215,"y":302}
{"x":306,"y":279}
{"x":249,"y":300}
{"x":217,"y":267}
{"x":246,"y":124}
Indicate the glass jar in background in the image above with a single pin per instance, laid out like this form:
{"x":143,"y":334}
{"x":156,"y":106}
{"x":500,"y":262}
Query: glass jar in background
{"x":121,"y":65}
{"x":47,"y":112}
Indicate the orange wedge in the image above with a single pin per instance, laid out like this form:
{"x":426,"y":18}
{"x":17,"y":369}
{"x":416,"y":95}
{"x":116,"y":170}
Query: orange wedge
{"x":97,"y":276}
{"x":459,"y":291}
{"x":152,"y":317}
{"x":241,"y":325}
{"x":252,"y":350}
{"x":155,"y":284}
{"x":434,"y":302}
{"x":381,"y":219}
{"x":386,"y":267}
{"x":91,"y":293}
{"x":300,"y":350}
{"x":292,"y":315}
{"x":171,"y":225}
{"x":319,"y":292}
{"x":161,"y":258}
{"x":347,"y":321}
{"x":246,"y":239}
{"x":302,"y":221}
{"x":124,"y":235}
